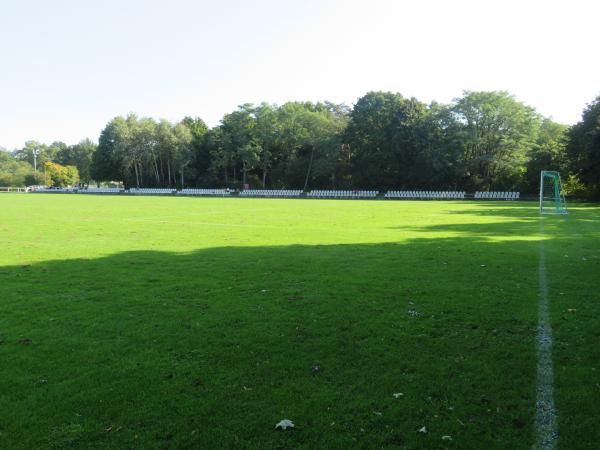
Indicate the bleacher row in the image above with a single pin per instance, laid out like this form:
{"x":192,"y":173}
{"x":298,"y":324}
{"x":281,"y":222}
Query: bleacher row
{"x":203,"y":192}
{"x":101,"y":191}
{"x":291,"y":193}
{"x":156,"y":191}
{"x":497,"y":195}
{"x":342,"y":194}
{"x":425,"y":194}
{"x":271,"y":193}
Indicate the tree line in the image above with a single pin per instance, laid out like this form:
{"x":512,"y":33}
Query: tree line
{"x":480,"y":141}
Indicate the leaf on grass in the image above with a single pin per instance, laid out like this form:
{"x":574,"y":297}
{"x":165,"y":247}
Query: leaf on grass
{"x":284,"y":424}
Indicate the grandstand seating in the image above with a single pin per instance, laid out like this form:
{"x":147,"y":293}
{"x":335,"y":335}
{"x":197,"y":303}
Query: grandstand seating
{"x":56,"y":190}
{"x":271,"y":193}
{"x":100,"y":191}
{"x":295,"y":193}
{"x":426,"y":194}
{"x":204,"y":192}
{"x":145,"y":191}
{"x":497,"y":195}
{"x":342,"y":194}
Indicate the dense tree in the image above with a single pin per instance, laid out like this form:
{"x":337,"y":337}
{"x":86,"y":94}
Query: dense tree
{"x":481,"y":141}
{"x":108,"y":161}
{"x":240,"y":142}
{"x":17,"y":173}
{"x":584,"y":147}
{"x":142,"y":152}
{"x":496,"y":132}
{"x":60,"y":176}
{"x":387,"y":135}
{"x":80,"y":156}
{"x":548,"y":153}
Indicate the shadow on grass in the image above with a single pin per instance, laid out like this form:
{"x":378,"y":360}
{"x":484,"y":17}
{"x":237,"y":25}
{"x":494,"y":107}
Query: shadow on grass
{"x":360,"y":345}
{"x":521,"y":223}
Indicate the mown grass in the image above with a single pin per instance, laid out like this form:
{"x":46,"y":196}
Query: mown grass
{"x":197,"y":323}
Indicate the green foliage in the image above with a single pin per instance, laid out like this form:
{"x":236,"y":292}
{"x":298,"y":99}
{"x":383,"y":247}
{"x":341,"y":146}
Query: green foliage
{"x":584,"y":147}
{"x":481,"y":141}
{"x":60,"y":176}
{"x":572,"y":186}
{"x":142,"y":152}
{"x":387,"y":135}
{"x":549,"y":153}
{"x":80,"y":156}
{"x":17,"y":173}
{"x":496,"y":132}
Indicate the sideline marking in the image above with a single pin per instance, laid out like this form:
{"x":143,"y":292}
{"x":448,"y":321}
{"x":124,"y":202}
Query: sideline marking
{"x":545,"y":412}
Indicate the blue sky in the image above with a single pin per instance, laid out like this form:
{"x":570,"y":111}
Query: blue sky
{"x":68,"y":67}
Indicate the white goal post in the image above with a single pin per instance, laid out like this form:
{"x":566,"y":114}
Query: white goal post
{"x":552,"y":196}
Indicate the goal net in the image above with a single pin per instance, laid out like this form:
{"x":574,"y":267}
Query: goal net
{"x":552,"y":197}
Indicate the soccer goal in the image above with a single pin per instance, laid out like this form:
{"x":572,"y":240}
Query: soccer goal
{"x":552,"y":196}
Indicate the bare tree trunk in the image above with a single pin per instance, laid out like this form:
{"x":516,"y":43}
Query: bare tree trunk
{"x":169,"y":170}
{"x":137,"y":179}
{"x":264,"y":178}
{"x":156,"y":170}
{"x":182,"y":186}
{"x":162,"y":170}
{"x":243,"y":175}
{"x":312,"y":154}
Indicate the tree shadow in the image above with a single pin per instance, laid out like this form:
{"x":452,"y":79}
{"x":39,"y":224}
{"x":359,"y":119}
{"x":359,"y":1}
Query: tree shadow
{"x":519,"y":222}
{"x":211,"y":348}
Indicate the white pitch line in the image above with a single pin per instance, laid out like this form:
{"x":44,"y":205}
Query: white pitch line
{"x":545,"y":412}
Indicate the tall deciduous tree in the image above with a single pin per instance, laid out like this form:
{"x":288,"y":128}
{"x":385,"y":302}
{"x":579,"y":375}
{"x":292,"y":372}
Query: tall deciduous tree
{"x":386,"y":135}
{"x":548,"y":153}
{"x":584,"y":146}
{"x":80,"y":156}
{"x":496,"y":133}
{"x":60,"y":176}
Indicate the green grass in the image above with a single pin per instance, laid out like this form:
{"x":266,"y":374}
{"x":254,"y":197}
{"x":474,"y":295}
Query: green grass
{"x":154,"y":322}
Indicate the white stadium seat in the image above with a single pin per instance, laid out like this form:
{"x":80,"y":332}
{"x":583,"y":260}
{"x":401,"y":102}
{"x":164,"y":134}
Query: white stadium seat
{"x":497,"y":195}
{"x":204,"y":192}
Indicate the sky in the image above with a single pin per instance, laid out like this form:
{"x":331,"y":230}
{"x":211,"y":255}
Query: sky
{"x":69,"y":67}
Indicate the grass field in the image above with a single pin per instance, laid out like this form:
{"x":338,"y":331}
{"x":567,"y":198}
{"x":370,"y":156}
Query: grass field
{"x":151,"y":322}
